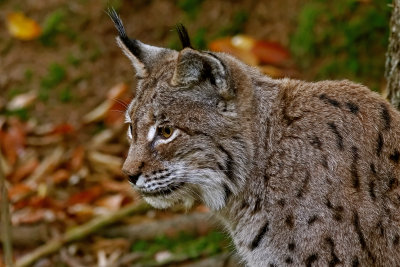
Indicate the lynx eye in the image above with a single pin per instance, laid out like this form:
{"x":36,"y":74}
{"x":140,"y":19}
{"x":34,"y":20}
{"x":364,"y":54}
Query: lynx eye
{"x":165,"y":131}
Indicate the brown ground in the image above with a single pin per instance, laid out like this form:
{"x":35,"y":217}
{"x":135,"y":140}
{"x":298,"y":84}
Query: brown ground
{"x":102,"y":64}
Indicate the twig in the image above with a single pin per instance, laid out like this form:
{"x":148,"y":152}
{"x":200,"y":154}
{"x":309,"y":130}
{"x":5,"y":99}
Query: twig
{"x":5,"y":219}
{"x":80,"y":232}
{"x":196,"y":223}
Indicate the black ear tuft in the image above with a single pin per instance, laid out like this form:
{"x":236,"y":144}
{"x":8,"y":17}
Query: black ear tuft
{"x":131,"y":44}
{"x":183,"y":36}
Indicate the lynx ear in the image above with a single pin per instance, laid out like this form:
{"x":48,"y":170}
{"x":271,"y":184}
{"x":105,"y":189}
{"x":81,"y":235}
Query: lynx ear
{"x":140,"y":54}
{"x":194,"y":67}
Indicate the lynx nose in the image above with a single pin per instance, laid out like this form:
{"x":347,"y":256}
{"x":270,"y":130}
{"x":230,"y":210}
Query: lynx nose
{"x":133,"y":178}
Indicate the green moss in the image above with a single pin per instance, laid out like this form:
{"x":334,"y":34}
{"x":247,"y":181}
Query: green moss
{"x":66,"y":94}
{"x":184,"y":246}
{"x":55,"y":75}
{"x":53,"y":25}
{"x":343,"y":39}
{"x":190,"y":7}
{"x":236,"y":26}
{"x":22,"y":113}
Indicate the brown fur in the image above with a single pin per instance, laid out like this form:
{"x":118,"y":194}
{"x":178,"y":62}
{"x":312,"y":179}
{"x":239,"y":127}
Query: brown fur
{"x":299,"y":173}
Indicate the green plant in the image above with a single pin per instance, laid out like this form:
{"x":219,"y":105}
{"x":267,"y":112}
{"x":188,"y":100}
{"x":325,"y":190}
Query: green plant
{"x":236,"y":26}
{"x":190,"y":7}
{"x":66,"y":94}
{"x":336,"y":39}
{"x":184,"y":246}
{"x":55,"y":24}
{"x":55,"y":75}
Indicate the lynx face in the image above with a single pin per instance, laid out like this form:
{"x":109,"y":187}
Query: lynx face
{"x":183,"y":127}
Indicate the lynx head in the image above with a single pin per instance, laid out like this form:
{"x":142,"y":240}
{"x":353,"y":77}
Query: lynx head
{"x":187,"y":130}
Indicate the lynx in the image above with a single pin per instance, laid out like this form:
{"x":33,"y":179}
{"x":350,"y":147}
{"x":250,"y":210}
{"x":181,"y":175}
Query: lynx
{"x":300,"y":173}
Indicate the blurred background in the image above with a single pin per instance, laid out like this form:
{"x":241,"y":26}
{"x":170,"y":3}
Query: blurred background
{"x":64,"y":85}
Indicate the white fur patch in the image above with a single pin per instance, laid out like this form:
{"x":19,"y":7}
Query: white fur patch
{"x":129,"y":133}
{"x":152,"y":132}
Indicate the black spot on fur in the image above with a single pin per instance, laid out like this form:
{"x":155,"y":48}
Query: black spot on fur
{"x":229,"y":163}
{"x":393,"y":183}
{"x":352,"y":107}
{"x":315,"y":142}
{"x":355,"y":262}
{"x":312,"y":219}
{"x":337,"y":215}
{"x":289,"y":260}
{"x":328,"y":100}
{"x":310,"y":259}
{"x":245,"y":205}
{"x":271,"y":265}
{"x":289,"y":221}
{"x":339,"y":137}
{"x":304,"y":187}
{"x":372,"y":167}
{"x":357,"y":228}
{"x":337,"y":211}
{"x":379,"y":145}
{"x":281,"y":202}
{"x":325,"y":162}
{"x":257,"y":206}
{"x":334,"y":259}
{"x":227,"y":191}
{"x":354,"y":171}
{"x":371,"y":189}
{"x":286,"y":116}
{"x":380,"y":228}
{"x":329,"y":204}
{"x":291,"y":246}
{"x":396,"y":240}
{"x":256,"y":241}
{"x":395,"y":156}
{"x":361,"y":238}
{"x":386,"y":117}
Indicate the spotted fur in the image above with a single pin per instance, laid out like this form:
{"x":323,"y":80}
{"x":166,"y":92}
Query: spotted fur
{"x":301,"y":174}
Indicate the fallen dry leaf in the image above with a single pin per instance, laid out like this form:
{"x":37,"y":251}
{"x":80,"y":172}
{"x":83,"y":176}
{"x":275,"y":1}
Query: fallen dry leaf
{"x":60,"y":176}
{"x":117,"y":91}
{"x":62,"y":129}
{"x":77,"y":158}
{"x":22,"y":101}
{"x":270,"y":53}
{"x":19,"y":191}
{"x":25,"y":169}
{"x":251,"y":51}
{"x":27,"y":215}
{"x":112,"y":202}
{"x":13,"y":140}
{"x":83,"y":212}
{"x":99,"y":112}
{"x":116,"y":113}
{"x":226,"y":45}
{"x":85,"y":196}
{"x":46,"y":166}
{"x":102,"y":161}
{"x":22,"y":27}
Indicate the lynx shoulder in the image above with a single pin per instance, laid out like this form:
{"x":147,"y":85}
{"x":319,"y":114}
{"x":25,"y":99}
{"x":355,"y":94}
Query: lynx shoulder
{"x":300,"y":173}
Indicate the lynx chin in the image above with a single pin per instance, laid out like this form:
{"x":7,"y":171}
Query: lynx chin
{"x":300,"y":173}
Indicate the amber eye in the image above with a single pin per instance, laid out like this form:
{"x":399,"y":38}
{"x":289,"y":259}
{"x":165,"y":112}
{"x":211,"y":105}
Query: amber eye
{"x":166,"y":131}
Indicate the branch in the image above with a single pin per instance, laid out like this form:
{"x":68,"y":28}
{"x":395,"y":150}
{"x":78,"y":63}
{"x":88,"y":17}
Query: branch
{"x":80,"y":232}
{"x":5,"y":219}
